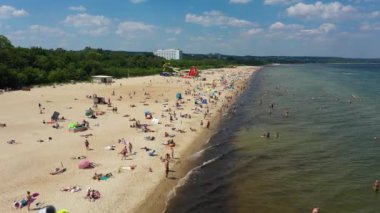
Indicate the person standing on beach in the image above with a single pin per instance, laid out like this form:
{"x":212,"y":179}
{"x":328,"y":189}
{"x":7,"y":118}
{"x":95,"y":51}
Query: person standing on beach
{"x":124,"y":153}
{"x":172,"y":149}
{"x":166,"y":168}
{"x":130,"y":147}
{"x":87,"y":144}
{"x":208,"y":125}
{"x":28,"y":199}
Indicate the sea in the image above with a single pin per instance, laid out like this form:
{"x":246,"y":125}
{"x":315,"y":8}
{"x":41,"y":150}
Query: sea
{"x":302,"y":136}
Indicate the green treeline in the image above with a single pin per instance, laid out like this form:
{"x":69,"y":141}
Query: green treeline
{"x":32,"y":66}
{"x":20,"y":67}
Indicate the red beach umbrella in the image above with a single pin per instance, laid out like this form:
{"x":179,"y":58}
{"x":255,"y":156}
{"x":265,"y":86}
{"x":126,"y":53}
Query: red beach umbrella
{"x":83,"y":164}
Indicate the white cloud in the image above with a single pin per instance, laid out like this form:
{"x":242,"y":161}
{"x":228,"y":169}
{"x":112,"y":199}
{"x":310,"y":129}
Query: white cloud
{"x":45,"y":31}
{"x":370,"y":27}
{"x":207,"y":38}
{"x":11,"y":12}
{"x":239,"y":1}
{"x":253,"y":31}
{"x":273,"y":2}
{"x":171,"y":39}
{"x":323,"y":29}
{"x":94,"y":25}
{"x":79,"y":8}
{"x":281,"y":26}
{"x":132,"y":26}
{"x":96,"y":31}
{"x":374,"y":14}
{"x":137,"y":1}
{"x":319,"y":10}
{"x":198,"y":38}
{"x":279,"y":30}
{"x":175,"y":31}
{"x":216,"y":18}
{"x":86,"y":20}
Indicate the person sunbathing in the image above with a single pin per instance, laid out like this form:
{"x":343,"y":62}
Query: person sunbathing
{"x":58,"y":171}
{"x":150,"y":138}
{"x":11,"y":141}
{"x":56,"y":126}
{"x":86,"y":135}
{"x":146,"y":149}
{"x":111,"y":147}
{"x":181,"y":131}
{"x":101,"y":176}
{"x":71,"y":189}
{"x":3,"y":125}
{"x":92,"y":194}
{"x":79,"y":157}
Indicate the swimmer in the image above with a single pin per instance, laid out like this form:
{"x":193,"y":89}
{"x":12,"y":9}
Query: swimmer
{"x":375,"y":186}
{"x":315,"y":210}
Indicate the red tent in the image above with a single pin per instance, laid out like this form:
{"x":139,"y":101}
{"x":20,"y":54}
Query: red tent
{"x":192,"y":73}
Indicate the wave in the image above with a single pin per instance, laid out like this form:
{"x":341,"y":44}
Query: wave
{"x":185,"y":179}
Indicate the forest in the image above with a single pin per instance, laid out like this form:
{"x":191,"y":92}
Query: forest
{"x":24,"y":67}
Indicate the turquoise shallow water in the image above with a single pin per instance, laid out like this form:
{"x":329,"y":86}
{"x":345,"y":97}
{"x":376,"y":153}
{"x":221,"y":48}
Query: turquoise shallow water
{"x":323,"y":154}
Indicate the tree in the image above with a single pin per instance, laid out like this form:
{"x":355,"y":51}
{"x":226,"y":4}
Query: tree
{"x":5,"y":43}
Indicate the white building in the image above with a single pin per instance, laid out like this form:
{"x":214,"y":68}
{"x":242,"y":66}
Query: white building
{"x":169,"y":54}
{"x":102,"y":79}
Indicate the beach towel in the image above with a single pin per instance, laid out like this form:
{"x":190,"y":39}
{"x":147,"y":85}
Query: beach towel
{"x":104,"y":178}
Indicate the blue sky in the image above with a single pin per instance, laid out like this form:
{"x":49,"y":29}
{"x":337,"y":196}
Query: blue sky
{"x":349,"y":28}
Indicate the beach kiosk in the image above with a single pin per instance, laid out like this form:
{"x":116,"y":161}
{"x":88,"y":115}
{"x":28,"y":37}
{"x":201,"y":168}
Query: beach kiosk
{"x":102,"y":79}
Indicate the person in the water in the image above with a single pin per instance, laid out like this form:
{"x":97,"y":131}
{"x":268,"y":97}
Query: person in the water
{"x":375,"y":186}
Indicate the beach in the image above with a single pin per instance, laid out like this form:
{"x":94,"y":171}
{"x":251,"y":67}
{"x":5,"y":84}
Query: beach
{"x":27,"y":161}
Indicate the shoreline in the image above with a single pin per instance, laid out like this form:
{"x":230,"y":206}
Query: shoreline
{"x":130,"y":190}
{"x":158,"y":200}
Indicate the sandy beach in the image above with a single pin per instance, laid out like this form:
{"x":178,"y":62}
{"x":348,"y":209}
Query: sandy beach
{"x":25,"y":164}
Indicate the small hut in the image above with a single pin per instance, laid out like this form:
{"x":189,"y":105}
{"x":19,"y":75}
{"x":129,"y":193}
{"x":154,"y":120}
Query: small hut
{"x":102,"y":79}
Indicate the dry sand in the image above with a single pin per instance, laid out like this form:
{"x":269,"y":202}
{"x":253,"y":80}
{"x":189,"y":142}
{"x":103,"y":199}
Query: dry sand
{"x":26,"y":165}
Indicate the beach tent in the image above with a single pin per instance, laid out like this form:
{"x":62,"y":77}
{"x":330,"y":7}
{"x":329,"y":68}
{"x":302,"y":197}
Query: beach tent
{"x":84,"y":164}
{"x":99,"y":100}
{"x":193,"y":71}
{"x":55,"y":116}
{"x":178,"y":95}
{"x":204,"y":101}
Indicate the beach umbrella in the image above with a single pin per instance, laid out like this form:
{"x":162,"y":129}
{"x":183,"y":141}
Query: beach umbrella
{"x":83,"y":164}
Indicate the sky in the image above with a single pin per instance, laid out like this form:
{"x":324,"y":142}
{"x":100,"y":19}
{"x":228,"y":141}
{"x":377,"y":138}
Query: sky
{"x":348,"y":28}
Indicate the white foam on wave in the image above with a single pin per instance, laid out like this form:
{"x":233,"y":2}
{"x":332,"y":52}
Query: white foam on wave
{"x":199,"y":153}
{"x":185,"y":179}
